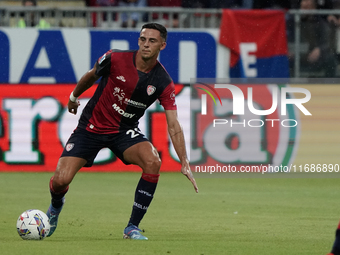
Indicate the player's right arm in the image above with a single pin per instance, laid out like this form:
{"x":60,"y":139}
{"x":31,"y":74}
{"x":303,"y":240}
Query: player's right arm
{"x":85,"y":82}
{"x":101,"y":67}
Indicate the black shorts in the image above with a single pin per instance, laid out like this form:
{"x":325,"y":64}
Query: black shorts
{"x":86,"y":145}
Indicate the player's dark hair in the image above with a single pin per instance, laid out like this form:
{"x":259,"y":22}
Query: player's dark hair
{"x":162,"y":30}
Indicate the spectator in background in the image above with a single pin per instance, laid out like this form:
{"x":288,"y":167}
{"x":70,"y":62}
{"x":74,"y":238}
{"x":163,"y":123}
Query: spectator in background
{"x":105,"y":18}
{"x":166,"y":18}
{"x":265,"y":4}
{"x":247,"y":4}
{"x":100,"y":17}
{"x":91,"y":2}
{"x":226,"y":4}
{"x":217,"y":4}
{"x":195,"y":4}
{"x":135,"y":16}
{"x":336,"y":5}
{"x":106,"y":2}
{"x":322,"y":5}
{"x":316,"y":32}
{"x":327,"y":5}
{"x":29,"y":20}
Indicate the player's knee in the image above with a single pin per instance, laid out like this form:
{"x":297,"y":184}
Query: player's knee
{"x":153,"y":165}
{"x":60,"y":183}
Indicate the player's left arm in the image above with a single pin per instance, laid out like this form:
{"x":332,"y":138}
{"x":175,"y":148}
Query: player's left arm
{"x":177,"y":138}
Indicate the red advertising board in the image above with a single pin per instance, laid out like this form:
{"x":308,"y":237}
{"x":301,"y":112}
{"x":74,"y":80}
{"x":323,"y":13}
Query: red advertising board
{"x":35,"y":124}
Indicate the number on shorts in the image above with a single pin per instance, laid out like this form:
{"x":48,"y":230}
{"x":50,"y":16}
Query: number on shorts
{"x":134,"y":133}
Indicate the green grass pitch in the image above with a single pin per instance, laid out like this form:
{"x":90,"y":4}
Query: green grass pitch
{"x":260,"y":216}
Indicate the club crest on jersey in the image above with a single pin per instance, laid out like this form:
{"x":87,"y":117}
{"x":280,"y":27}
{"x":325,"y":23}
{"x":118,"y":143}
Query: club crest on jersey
{"x":150,"y":90}
{"x":69,"y":146}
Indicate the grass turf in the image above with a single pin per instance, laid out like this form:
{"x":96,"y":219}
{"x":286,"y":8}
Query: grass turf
{"x":228,"y":216}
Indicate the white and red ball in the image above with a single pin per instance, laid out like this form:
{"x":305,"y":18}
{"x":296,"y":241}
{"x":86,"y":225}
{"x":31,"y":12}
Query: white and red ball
{"x":33,"y":225}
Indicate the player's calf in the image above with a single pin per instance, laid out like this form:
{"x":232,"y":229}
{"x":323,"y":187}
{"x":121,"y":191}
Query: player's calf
{"x":57,"y":203}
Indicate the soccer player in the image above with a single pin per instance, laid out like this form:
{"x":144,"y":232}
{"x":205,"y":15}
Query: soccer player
{"x":130,"y":82}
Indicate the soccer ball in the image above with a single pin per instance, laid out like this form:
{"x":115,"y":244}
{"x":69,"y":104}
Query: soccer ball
{"x":33,"y":225}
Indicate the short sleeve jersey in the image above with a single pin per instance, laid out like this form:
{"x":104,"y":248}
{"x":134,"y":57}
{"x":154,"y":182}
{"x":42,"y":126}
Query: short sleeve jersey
{"x":124,"y":93}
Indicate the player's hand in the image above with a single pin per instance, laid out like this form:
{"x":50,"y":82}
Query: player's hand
{"x":73,"y":106}
{"x":187,"y":172}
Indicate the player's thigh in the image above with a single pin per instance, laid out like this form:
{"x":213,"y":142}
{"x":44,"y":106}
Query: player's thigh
{"x":84,"y":144}
{"x":145,"y":155}
{"x":80,"y":150}
{"x":67,"y":168}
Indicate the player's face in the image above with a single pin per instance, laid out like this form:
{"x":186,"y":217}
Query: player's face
{"x":150,"y":43}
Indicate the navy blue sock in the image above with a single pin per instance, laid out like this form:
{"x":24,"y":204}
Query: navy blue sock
{"x":143,"y":197}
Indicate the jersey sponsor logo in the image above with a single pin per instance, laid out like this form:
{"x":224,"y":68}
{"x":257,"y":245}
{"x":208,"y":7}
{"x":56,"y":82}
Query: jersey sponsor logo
{"x":150,"y":90}
{"x":131,"y":102}
{"x":121,"y":77}
{"x":69,"y":146}
{"x":122,"y":112}
{"x":102,"y":59}
{"x":119,"y":93}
